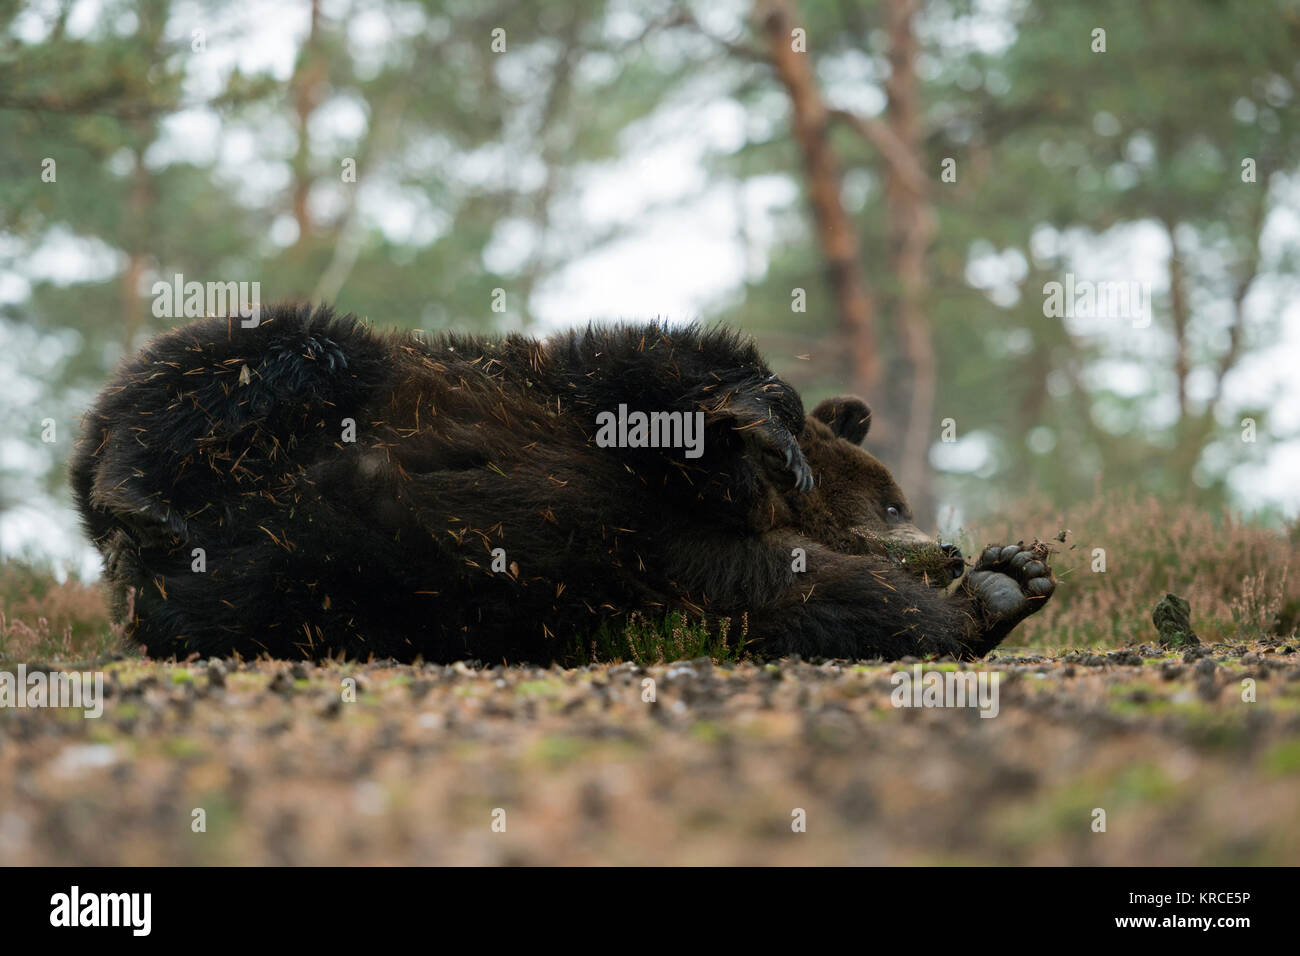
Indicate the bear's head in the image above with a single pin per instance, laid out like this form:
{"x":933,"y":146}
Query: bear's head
{"x":855,"y":505}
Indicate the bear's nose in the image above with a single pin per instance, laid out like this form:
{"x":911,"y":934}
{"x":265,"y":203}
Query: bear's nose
{"x":956,"y":565}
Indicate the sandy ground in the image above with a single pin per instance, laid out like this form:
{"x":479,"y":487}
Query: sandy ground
{"x":783,"y":763}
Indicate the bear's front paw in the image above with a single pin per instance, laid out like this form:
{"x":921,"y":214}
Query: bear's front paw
{"x":777,"y":452}
{"x":1011,"y":583}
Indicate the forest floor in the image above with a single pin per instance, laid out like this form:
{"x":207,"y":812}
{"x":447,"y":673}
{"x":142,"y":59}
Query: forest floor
{"x":1137,"y":756}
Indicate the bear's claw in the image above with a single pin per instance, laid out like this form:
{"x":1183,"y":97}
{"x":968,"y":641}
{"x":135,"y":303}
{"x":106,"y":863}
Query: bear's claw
{"x":798,"y":465}
{"x":780,"y":456}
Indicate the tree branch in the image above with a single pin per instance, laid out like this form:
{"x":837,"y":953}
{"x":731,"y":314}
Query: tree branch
{"x":878,"y":134}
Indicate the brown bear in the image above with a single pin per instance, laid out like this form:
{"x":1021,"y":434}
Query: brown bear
{"x":306,"y":487}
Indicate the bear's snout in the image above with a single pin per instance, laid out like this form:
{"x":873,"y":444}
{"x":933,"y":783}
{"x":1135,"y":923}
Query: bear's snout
{"x":957,"y":563}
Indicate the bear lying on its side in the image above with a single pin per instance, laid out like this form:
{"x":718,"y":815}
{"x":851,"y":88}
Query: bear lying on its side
{"x":307,"y":488}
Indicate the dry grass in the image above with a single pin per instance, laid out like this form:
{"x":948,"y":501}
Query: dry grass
{"x":44,"y":618}
{"x":1242,"y":580}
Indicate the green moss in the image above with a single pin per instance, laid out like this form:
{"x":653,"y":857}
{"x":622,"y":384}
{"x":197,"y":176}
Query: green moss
{"x":1212,"y":730}
{"x":181,"y":747}
{"x":559,"y":749}
{"x":1067,"y":810}
{"x":1136,"y":698}
{"x":1283,"y":758}
{"x":1134,"y":708}
{"x":922,"y":560}
{"x":1142,"y":784}
{"x":706,"y":731}
{"x":126,"y":711}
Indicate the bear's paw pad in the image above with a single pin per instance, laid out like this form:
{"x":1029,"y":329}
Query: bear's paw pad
{"x":1012,"y":581}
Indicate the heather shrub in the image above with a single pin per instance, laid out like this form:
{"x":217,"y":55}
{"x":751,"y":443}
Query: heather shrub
{"x":43,"y":617}
{"x":1240,"y":577}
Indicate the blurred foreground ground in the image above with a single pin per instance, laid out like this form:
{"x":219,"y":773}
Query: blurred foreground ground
{"x":588,"y":773}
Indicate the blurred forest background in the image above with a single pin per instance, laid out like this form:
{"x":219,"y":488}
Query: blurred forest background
{"x":884,"y":192}
{"x":878,"y":189}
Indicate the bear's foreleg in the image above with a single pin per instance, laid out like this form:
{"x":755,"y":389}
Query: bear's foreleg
{"x":857,"y":606}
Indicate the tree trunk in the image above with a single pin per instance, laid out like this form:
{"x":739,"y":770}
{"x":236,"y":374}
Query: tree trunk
{"x":307,"y":85}
{"x":911,"y":226}
{"x":136,"y":238}
{"x":837,"y":235}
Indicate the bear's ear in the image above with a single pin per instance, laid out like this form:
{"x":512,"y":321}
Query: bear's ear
{"x":847,"y":415}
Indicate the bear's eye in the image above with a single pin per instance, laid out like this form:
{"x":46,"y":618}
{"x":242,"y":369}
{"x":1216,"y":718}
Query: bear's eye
{"x":892,"y":512}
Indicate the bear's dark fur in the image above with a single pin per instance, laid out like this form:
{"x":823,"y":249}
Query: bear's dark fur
{"x":348,"y":491}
